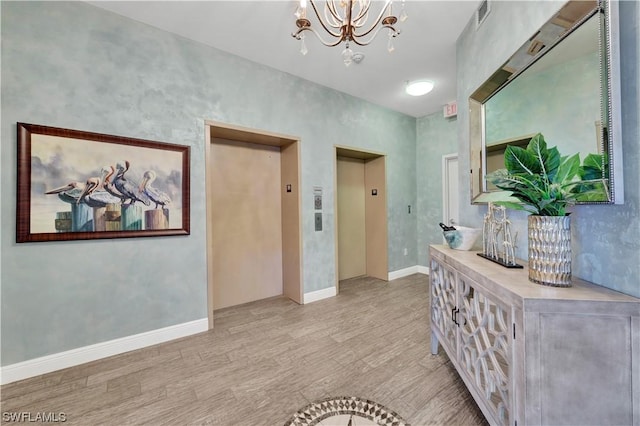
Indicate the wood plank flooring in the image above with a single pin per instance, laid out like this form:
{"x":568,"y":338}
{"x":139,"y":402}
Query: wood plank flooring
{"x":264,"y":361}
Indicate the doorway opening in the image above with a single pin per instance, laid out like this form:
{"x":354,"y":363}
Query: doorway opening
{"x":254,"y":248}
{"x":361,"y":215}
{"x":450,"y":196}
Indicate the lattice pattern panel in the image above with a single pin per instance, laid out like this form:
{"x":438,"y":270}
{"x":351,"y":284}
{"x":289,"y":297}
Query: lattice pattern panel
{"x":443,"y":301}
{"x":484,"y":347}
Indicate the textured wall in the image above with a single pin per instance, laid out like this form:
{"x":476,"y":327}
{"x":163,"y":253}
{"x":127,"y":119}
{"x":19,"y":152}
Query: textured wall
{"x":436,"y":136}
{"x":71,"y":65}
{"x":606,"y":239}
{"x":565,"y":115}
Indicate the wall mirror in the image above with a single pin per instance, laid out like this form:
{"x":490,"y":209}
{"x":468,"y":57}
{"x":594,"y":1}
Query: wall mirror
{"x":564,"y":83}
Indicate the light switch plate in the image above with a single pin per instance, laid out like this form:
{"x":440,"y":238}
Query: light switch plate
{"x":318,"y":221}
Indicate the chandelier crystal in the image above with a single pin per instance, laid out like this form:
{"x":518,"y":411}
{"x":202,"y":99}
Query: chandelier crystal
{"x":346,"y":20}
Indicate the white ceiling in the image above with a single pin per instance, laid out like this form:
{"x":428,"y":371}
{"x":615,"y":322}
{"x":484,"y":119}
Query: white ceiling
{"x":261,"y":31}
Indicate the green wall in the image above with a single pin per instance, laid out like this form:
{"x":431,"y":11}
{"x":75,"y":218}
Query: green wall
{"x":436,"y":136}
{"x":565,"y":112}
{"x":72,"y":65}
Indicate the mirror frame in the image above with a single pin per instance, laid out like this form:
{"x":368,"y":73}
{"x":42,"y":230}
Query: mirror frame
{"x":610,"y":64}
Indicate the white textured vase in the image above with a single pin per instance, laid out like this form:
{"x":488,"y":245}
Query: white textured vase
{"x":550,"y":250}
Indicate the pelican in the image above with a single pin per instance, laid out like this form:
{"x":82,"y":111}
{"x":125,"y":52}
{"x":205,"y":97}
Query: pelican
{"x":154,"y":194}
{"x":70,"y":193}
{"x":107,"y":173}
{"x":94,"y":194}
{"x":127,"y":188}
{"x":92,"y":184}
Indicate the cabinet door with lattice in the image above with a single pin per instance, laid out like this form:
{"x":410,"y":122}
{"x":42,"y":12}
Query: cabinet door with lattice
{"x":485,"y":347}
{"x":443,"y":304}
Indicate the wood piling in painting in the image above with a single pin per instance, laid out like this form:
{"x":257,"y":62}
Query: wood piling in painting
{"x":99,"y":219}
{"x":63,"y":222}
{"x":81,"y":218}
{"x":156,"y":219}
{"x":113,"y":217}
{"x":131,"y":217}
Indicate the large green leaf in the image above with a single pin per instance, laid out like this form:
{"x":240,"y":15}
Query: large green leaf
{"x":520,"y":161}
{"x":538,"y":147}
{"x":552,"y":163}
{"x":567,"y":170}
{"x":598,"y":193}
{"x":592,"y":167}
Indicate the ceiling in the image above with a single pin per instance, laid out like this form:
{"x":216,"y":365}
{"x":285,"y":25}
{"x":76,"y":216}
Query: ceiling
{"x":261,"y":32}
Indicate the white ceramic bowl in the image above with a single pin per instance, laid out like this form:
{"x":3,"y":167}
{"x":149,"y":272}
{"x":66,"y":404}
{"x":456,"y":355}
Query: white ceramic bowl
{"x":462,"y":238}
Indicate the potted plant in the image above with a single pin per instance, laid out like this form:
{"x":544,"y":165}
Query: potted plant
{"x":542,"y":182}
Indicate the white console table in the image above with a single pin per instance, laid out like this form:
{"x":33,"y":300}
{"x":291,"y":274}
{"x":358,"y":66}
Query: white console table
{"x":536,"y":355}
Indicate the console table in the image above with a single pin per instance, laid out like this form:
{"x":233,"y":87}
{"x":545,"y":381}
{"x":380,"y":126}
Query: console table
{"x":536,"y":355}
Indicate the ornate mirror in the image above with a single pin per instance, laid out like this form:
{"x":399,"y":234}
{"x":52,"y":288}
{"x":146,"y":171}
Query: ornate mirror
{"x":564,"y":83}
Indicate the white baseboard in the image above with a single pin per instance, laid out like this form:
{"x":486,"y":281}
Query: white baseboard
{"x":423,"y":270}
{"x":394,"y":275}
{"x":58,"y":361}
{"x":314,"y":296}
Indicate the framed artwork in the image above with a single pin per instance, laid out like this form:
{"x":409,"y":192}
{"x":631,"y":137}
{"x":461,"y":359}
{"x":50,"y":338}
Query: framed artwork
{"x":75,"y":185}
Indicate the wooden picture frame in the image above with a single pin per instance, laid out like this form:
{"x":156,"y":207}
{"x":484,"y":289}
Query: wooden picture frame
{"x":76,"y":185}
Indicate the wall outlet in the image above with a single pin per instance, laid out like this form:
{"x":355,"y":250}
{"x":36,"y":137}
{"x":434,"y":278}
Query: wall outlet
{"x":406,"y":251}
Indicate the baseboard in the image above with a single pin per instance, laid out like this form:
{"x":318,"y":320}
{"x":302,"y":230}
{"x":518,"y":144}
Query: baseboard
{"x":314,"y":296}
{"x":423,"y":270}
{"x":58,"y":361}
{"x":394,"y":275}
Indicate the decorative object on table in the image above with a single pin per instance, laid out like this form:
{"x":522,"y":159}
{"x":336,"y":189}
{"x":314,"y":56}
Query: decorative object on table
{"x":461,"y":237}
{"x":539,"y":180}
{"x":447,"y":228}
{"x":498,"y":243}
{"x":75,"y":185}
{"x":344,"y":409}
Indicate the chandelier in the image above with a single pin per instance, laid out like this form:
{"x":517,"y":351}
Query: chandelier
{"x":346,"y":20}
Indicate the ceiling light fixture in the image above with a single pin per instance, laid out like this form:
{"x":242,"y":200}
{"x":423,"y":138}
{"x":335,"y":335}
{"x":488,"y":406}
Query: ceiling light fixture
{"x":345,"y":20}
{"x":419,"y":88}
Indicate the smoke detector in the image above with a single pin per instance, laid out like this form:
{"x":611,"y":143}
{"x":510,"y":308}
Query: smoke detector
{"x":358,"y":57}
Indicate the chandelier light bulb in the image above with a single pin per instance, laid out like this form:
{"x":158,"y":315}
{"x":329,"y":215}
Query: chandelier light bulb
{"x":390,"y":46}
{"x":419,"y":88}
{"x":403,"y":13}
{"x":347,"y":56}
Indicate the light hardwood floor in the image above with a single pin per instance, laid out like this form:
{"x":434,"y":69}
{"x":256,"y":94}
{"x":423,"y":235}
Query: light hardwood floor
{"x":267,"y":359}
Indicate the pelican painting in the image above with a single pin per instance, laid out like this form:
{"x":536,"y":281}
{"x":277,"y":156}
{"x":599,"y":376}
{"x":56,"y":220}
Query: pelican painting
{"x":81,"y":185}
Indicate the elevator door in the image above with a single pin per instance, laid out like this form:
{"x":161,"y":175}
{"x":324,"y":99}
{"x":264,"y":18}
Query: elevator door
{"x":352,"y":260}
{"x":247,"y":222}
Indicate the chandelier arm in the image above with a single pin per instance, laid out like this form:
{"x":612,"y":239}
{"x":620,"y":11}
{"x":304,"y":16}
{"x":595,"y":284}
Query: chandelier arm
{"x":328,"y":24}
{"x":338,"y":35}
{"x":335,"y":16}
{"x":356,"y":38}
{"x":296,"y":35}
{"x":364,"y":11}
{"x":377,"y":21}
